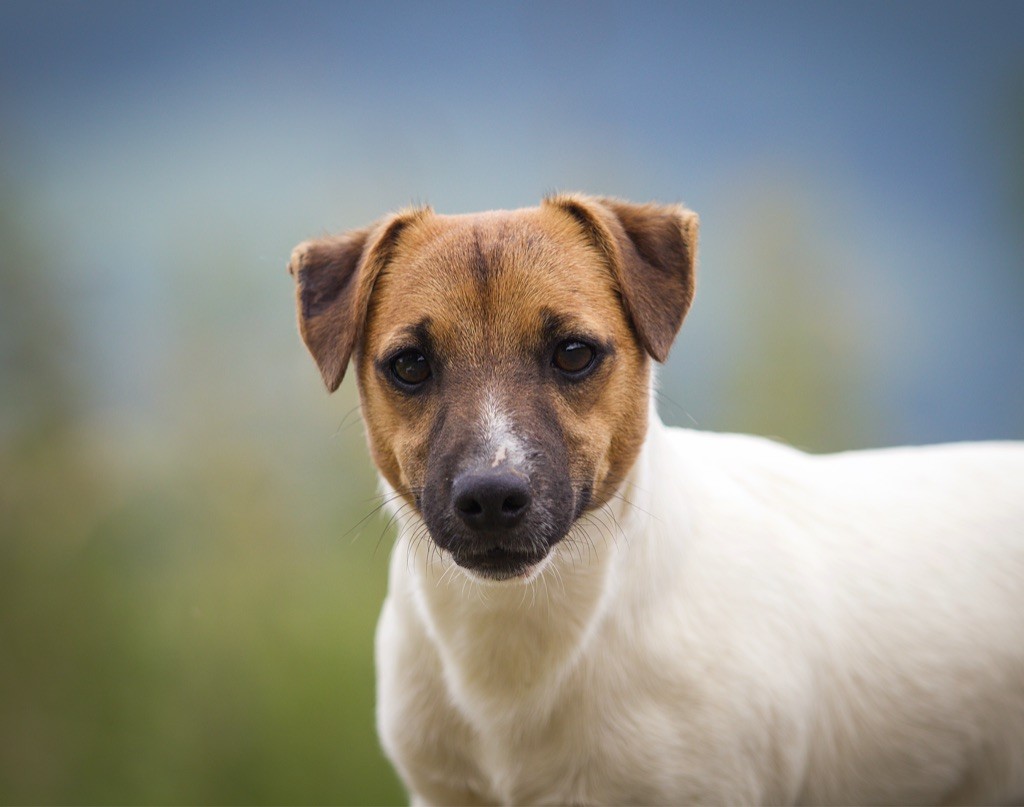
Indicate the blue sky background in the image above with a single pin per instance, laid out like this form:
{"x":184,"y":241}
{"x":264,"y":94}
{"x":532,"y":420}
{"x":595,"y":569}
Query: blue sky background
{"x":146,"y":138}
{"x":186,"y":596}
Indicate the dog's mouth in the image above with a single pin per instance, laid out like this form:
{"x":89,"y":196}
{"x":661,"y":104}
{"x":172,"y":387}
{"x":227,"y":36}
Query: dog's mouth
{"x":499,"y":563}
{"x":499,"y":522}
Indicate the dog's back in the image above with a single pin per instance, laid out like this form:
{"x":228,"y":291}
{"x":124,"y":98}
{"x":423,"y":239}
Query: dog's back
{"x":897,"y":577}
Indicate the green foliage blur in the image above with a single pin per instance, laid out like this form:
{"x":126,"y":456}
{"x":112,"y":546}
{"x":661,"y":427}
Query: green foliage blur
{"x":182,"y":618}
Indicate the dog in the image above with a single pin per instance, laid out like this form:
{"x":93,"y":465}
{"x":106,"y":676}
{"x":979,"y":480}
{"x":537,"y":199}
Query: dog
{"x":588,"y":607}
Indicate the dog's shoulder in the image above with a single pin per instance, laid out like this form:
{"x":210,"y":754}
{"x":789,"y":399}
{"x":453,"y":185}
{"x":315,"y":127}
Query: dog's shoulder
{"x":993,"y":466}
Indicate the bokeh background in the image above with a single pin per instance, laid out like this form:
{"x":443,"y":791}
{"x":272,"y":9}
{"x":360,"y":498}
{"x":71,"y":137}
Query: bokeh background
{"x":187,"y":590}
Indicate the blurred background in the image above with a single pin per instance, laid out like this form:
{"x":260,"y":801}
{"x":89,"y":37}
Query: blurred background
{"x":187,"y":587}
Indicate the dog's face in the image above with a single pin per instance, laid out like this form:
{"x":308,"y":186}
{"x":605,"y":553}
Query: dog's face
{"x":502,"y":359}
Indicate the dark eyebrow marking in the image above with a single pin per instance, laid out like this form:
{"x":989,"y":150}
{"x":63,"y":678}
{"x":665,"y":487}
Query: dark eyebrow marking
{"x":555,"y":326}
{"x":420,"y":332}
{"x":481,"y":266}
{"x":415,"y":336}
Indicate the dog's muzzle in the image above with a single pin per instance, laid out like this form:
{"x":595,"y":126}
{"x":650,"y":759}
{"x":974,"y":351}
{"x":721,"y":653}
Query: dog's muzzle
{"x":493,"y":506}
{"x":498,"y":509}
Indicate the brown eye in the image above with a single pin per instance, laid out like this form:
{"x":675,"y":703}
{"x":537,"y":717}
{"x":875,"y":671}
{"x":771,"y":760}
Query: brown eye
{"x":573,"y":357}
{"x":410,"y":368}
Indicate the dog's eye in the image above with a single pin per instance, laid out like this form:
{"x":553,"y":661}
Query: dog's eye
{"x":573,"y":357}
{"x":410,"y":368}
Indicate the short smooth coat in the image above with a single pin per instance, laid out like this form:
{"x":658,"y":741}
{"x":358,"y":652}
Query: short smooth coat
{"x":744,"y":624}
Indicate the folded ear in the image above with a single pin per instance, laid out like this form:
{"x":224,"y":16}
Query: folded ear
{"x":334,"y":277}
{"x":651,"y":250}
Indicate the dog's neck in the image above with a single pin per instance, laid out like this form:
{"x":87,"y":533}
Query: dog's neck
{"x":518,"y":638}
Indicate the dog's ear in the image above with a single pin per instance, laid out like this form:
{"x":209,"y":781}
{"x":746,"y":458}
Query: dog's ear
{"x":652,"y":251}
{"x":334,"y":277}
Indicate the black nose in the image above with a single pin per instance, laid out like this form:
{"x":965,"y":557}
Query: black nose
{"x":491,"y":500}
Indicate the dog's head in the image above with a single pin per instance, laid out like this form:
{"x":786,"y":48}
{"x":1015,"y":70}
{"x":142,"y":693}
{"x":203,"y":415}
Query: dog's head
{"x":503,"y":358}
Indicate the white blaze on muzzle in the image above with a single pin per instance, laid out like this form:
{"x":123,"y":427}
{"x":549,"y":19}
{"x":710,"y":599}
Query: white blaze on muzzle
{"x":499,"y":443}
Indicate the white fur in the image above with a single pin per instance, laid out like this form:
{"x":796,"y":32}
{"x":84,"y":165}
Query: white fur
{"x":497,"y":433}
{"x":746,"y":624}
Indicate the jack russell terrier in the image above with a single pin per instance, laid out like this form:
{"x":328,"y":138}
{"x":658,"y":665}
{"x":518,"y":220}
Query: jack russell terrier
{"x":588,"y":607}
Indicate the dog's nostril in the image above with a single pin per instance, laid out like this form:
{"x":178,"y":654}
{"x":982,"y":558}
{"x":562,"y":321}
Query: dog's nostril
{"x":515,"y":502}
{"x":468,"y":505}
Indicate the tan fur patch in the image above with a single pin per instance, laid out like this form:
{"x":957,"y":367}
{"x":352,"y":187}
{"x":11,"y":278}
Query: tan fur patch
{"x":484,"y":283}
{"x":487,"y":298}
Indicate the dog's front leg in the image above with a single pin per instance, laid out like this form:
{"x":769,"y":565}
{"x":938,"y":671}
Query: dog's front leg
{"x":428,"y":741}
{"x":425,"y":793}
{"x":450,"y":796}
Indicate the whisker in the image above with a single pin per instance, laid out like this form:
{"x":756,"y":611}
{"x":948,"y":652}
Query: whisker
{"x":396,"y":518}
{"x":449,"y":572}
{"x":661,"y":396}
{"x":558,"y":577}
{"x":387,"y":500}
{"x":347,"y":415}
{"x":591,"y":546}
{"x":601,"y":524}
{"x":411,"y":545}
{"x":575,"y":534}
{"x":615,"y":522}
{"x":634,"y":505}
